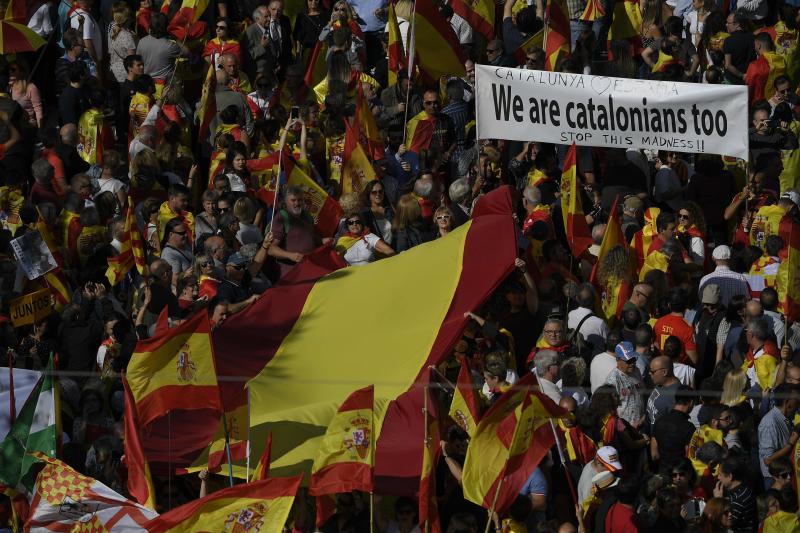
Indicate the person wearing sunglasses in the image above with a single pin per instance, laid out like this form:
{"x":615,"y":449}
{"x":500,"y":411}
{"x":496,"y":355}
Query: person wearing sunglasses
{"x":691,"y":232}
{"x":358,"y":245}
{"x":443,"y":218}
{"x":716,"y":516}
{"x":221,"y":44}
{"x":234,"y":289}
{"x":175,"y":248}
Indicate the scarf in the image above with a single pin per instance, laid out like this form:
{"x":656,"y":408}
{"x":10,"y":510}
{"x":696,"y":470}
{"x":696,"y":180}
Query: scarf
{"x":580,"y":448}
{"x":348,"y":240}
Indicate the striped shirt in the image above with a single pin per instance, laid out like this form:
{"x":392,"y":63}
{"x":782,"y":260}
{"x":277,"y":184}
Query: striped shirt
{"x":773,"y":434}
{"x":730,"y":284}
{"x":743,"y":509}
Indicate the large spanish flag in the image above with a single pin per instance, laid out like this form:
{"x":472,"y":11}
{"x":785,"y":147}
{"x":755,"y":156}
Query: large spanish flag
{"x":346,"y":456}
{"x":131,"y":251}
{"x":140,"y":484}
{"x":626,"y":25}
{"x":465,"y":406}
{"x":261,"y":506}
{"x":17,"y":11}
{"x":396,"y":53}
{"x":788,"y":279}
{"x":357,"y":169}
{"x":478,"y":13}
{"x":511,"y":440}
{"x":575,"y":226}
{"x":438,"y":52}
{"x":556,"y":33}
{"x":419,"y":132}
{"x":175,"y":371}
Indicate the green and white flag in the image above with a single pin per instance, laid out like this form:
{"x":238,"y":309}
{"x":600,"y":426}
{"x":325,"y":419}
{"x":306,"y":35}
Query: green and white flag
{"x":33,"y":431}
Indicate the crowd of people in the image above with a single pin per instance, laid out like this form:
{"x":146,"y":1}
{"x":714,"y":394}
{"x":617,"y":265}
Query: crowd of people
{"x":675,"y":352}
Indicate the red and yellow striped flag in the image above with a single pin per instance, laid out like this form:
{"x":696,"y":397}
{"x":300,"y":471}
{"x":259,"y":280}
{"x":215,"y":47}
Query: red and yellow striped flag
{"x":357,"y":169}
{"x":419,"y":132}
{"x":575,"y":226}
{"x":396,"y":50}
{"x":261,"y":506}
{"x":346,"y":457}
{"x":92,"y":131}
{"x":626,"y":25}
{"x":537,"y":39}
{"x":556,"y":33}
{"x":175,"y":371}
{"x":435,"y":45}
{"x":465,"y":406}
{"x":478,"y":13}
{"x":131,"y":251}
{"x":510,"y":441}
{"x":612,"y":237}
{"x":140,"y":484}
{"x":594,"y":10}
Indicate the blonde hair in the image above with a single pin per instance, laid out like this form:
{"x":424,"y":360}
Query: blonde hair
{"x":244,"y":210}
{"x":403,"y":9}
{"x":122,"y":15}
{"x":733,"y":386}
{"x":444,"y":210}
{"x":351,"y":203}
{"x":408,"y":211}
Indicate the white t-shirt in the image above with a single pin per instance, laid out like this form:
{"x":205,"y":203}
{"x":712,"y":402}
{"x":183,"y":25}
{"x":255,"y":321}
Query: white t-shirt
{"x":599,"y":369}
{"x":684,"y":373}
{"x":91,"y":30}
{"x":112,"y":185}
{"x":362,"y":251}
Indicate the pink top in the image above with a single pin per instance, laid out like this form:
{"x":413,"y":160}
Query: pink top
{"x":29,"y":101}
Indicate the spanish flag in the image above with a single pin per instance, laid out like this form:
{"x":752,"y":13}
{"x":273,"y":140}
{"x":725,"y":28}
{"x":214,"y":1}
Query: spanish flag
{"x":575,"y":226}
{"x":140,"y":484}
{"x":93,"y":133}
{"x":419,"y":132}
{"x":643,"y":238}
{"x":17,"y":11}
{"x":396,"y":52}
{"x":346,"y":456}
{"x":262,"y":468}
{"x":175,"y":371}
{"x":438,"y":52}
{"x":207,"y":108}
{"x":702,"y":435}
{"x":368,"y":128}
{"x":788,"y":279}
{"x":357,"y":169}
{"x":465,"y":406}
{"x":656,"y":260}
{"x":261,"y":506}
{"x":317,"y":68}
{"x":594,"y":10}
{"x":131,"y":251}
{"x":428,"y":508}
{"x":165,"y":214}
{"x":626,"y":25}
{"x":613,"y":291}
{"x":537,"y":39}
{"x":663,"y":62}
{"x":510,"y":441}
{"x":761,"y":74}
{"x":578,"y":447}
{"x":478,"y":13}
{"x":556,"y":33}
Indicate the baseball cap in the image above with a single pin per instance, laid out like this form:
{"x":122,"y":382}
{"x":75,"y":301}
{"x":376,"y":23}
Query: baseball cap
{"x":711,"y":294}
{"x":625,"y":351}
{"x":721,"y":252}
{"x":608,"y":457}
{"x":793,"y":196}
{"x":633,"y":203}
{"x":604,"y":480}
{"x":235,"y":259}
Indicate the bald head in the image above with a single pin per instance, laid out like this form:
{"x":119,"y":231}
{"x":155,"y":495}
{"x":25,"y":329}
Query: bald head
{"x":754,"y":309}
{"x":222,"y":78}
{"x":660,"y":369}
{"x":69,"y":134}
{"x":598,"y":230}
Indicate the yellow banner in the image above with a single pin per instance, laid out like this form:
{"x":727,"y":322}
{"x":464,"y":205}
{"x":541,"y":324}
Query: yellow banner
{"x":31,"y":307}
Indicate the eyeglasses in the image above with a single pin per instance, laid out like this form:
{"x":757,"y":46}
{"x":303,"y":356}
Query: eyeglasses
{"x":223,"y":209}
{"x":683,"y":217}
{"x":553,"y":331}
{"x":443,"y":217}
{"x":354,"y":222}
{"x":431,"y":102}
{"x":654,"y":370}
{"x":222,"y":27}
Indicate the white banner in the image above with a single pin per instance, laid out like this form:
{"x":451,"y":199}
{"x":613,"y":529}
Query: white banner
{"x":562,"y":108}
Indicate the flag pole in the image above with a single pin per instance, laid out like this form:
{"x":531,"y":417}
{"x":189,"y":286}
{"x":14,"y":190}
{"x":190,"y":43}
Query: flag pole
{"x":227,"y":447}
{"x":12,"y":403}
{"x":410,"y":58}
{"x":494,"y":500}
{"x":371,"y":512}
{"x":426,"y":441}
{"x":247,"y":472}
{"x":560,"y":450}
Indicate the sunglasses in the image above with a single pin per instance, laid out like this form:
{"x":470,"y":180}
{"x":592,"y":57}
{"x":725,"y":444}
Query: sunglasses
{"x":683,"y":217}
{"x":354,"y":222}
{"x":553,"y":332}
{"x":431,"y":103}
{"x":443,"y":217}
{"x":222,"y":27}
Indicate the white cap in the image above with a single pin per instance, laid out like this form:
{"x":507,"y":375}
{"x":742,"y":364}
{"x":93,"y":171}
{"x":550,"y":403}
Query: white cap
{"x":721,"y":253}
{"x":608,"y":457}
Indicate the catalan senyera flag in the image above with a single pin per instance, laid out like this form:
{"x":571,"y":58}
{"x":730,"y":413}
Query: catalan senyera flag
{"x":65,"y":500}
{"x":594,"y":10}
{"x":419,"y":132}
{"x":131,"y":250}
{"x":396,"y":52}
{"x":322,"y":207}
{"x":537,"y":39}
{"x":273,"y":340}
{"x":788,"y":279}
{"x":575,"y":226}
{"x":626,"y":24}
{"x":465,"y":406}
{"x":140,"y":484}
{"x":317,"y":67}
{"x":438,"y":52}
{"x":346,"y":456}
{"x":556,"y":33}
{"x":479,"y":14}
{"x":428,"y":508}
{"x":260,"y":506}
{"x":357,"y":169}
{"x":207,"y":109}
{"x":510,"y":441}
{"x":175,"y":371}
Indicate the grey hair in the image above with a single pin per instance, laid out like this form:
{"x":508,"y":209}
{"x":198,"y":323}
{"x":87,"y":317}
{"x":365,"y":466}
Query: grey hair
{"x":256,"y":11}
{"x":758,"y":328}
{"x":533,"y":195}
{"x":293,"y":190}
{"x":598,"y":230}
{"x":544,"y":359}
{"x":459,"y":190}
{"x":554,"y":321}
{"x":423,"y":188}
{"x":42,"y":171}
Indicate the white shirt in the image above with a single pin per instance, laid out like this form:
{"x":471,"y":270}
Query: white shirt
{"x":462,"y":29}
{"x":684,"y":373}
{"x":91,"y":30}
{"x":112,"y":185}
{"x":594,"y":329}
{"x":40,"y":21}
{"x":550,"y":389}
{"x":599,"y":369}
{"x":362,"y":251}
{"x":585,"y":482}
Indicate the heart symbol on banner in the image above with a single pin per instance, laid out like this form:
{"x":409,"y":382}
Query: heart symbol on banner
{"x":600,"y":84}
